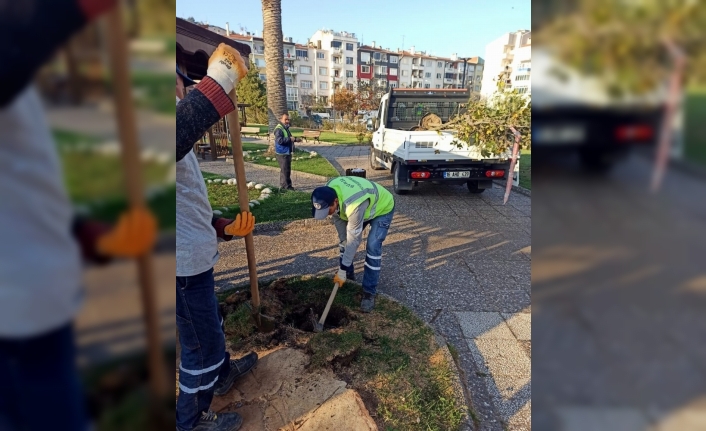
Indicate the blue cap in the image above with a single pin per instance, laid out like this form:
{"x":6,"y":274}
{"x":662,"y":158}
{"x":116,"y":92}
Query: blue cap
{"x":187,"y":81}
{"x":321,"y":199}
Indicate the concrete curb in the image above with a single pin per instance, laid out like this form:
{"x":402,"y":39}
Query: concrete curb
{"x":518,"y":189}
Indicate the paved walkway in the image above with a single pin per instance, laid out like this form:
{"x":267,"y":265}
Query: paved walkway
{"x":460,"y":261}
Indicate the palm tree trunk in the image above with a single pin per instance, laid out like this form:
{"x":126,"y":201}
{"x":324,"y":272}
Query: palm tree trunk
{"x":274,"y":63}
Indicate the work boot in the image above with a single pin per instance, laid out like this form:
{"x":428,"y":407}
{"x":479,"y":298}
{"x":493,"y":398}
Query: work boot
{"x":211,"y":421}
{"x":237,"y":368}
{"x":368,"y":302}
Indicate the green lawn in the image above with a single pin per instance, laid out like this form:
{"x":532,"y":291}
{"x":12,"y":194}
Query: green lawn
{"x":154,"y":92}
{"x":340,"y":138}
{"x":526,"y":169}
{"x":96,"y":182}
{"x":317,"y":165}
{"x":285,"y":205}
{"x":695,"y":127}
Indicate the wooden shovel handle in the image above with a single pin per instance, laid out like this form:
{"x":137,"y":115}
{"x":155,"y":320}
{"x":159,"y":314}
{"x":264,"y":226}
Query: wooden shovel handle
{"x":243,"y":200}
{"x":132,"y":169}
{"x":328,"y":304}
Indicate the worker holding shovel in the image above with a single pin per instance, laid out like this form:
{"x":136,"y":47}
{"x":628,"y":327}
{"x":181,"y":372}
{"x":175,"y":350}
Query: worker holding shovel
{"x":43,"y":242}
{"x":354,"y":204}
{"x":206,"y":368}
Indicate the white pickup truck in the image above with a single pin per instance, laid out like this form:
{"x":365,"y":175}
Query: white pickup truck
{"x":415,"y":155}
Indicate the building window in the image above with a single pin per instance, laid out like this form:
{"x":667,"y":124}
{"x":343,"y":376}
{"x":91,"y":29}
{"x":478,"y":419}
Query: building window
{"x":320,"y":55}
{"x":449,"y":76}
{"x":405,"y":73}
{"x":323,"y":85}
{"x":291,"y":106}
{"x":323,"y":71}
{"x":259,"y":49}
{"x":393,"y":71}
{"x":438,"y":86}
{"x":336,"y":74}
{"x":288,"y":80}
{"x":349,"y":87}
{"x":263,"y":77}
{"x":376,"y":56}
{"x":349,"y":47}
{"x":522,"y":77}
{"x":383,"y":57}
{"x":324,"y":100}
{"x":439,"y":64}
{"x":427,"y":86}
{"x":303,"y":54}
{"x":349,"y":60}
{"x":393,"y":59}
{"x":349,"y":74}
{"x":336,"y":60}
{"x":427,"y":75}
{"x":305,"y":70}
{"x":477,"y":87}
{"x":306,"y":84}
{"x":438,"y":76}
{"x":522,"y":90}
{"x":365,"y":57}
{"x":393,"y":84}
{"x":292,"y":93}
{"x":336,"y":44}
{"x":259,"y":62}
{"x":364,"y":69}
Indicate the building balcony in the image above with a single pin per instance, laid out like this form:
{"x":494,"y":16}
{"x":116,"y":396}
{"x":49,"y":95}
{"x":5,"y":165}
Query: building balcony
{"x":449,"y":80}
{"x":417,"y":66}
{"x":291,"y":70}
{"x":336,"y":51}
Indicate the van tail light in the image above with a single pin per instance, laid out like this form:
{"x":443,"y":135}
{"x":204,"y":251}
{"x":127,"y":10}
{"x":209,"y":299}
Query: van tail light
{"x":420,"y":175}
{"x":495,"y":173}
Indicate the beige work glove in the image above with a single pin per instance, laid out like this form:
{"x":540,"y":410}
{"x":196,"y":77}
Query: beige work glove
{"x":226,"y":67}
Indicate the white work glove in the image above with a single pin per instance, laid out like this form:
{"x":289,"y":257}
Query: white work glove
{"x":340,"y":277}
{"x":226,"y":67}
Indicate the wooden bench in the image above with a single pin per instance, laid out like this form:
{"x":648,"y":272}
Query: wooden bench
{"x":251,"y":130}
{"x":311,"y":134}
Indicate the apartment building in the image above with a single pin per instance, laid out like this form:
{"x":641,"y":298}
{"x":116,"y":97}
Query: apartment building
{"x":421,"y":70}
{"x":508,"y":58}
{"x":379,"y":65}
{"x":334,"y":66}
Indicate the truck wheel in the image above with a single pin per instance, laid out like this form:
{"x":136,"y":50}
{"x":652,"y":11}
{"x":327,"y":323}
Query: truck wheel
{"x":374,"y":164}
{"x":473,"y":187}
{"x":396,"y":180}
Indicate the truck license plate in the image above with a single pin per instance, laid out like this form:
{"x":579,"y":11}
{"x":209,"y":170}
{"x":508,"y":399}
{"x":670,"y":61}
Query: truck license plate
{"x":457,"y":174}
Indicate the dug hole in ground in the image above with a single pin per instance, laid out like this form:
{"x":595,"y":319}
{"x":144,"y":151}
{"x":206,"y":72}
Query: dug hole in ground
{"x":382,"y":370}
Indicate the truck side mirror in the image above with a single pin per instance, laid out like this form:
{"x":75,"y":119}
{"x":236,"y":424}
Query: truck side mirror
{"x":370,"y":125}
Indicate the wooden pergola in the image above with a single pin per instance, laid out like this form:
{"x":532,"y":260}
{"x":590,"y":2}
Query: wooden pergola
{"x":195,"y":45}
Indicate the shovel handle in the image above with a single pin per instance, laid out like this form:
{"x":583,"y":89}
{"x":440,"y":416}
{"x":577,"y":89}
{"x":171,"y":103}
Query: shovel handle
{"x":328,"y":305}
{"x":243,"y":201}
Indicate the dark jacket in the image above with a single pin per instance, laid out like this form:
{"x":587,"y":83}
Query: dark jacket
{"x":195,"y":114}
{"x":283,"y":144}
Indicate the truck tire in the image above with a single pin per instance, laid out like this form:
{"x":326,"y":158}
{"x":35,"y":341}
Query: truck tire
{"x":473,"y":187}
{"x":374,"y":165}
{"x":396,"y":180}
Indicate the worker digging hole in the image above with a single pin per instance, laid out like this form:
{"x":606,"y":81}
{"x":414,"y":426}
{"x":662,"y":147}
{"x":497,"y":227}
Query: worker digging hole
{"x":288,"y":309}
